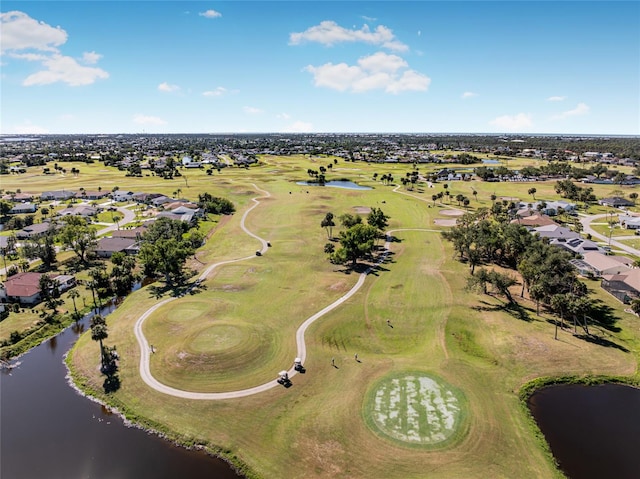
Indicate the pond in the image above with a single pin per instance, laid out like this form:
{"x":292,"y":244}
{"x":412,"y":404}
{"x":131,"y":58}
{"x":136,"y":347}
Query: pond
{"x":48,"y":430}
{"x":491,"y":162}
{"x":349,"y":185}
{"x":593,"y":431}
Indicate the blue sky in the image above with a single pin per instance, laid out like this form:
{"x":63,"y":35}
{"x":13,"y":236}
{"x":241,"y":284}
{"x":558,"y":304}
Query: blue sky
{"x":329,"y":66}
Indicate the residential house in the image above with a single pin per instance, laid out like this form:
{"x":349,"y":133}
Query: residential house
{"x":594,"y":263}
{"x":577,"y":246}
{"x":186,"y":217}
{"x":135,"y":233}
{"x":629,"y":222}
{"x":122,"y":195}
{"x":65,"y":281}
{"x":23,"y":208}
{"x":34,"y":230}
{"x":533,"y":220}
{"x":84,"y":211}
{"x":107,"y":246}
{"x":554,"y":232}
{"x":95,"y":195}
{"x":160,"y":201}
{"x":58,"y":195}
{"x":615,"y":202}
{"x":624,"y":286}
{"x":18,"y":197}
{"x":23,"y":288}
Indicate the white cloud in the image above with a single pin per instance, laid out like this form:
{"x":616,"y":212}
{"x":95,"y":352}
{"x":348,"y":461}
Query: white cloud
{"x":21,"y":32}
{"x":468,"y":94}
{"x":580,"y":109}
{"x":91,"y":58}
{"x":556,"y":98}
{"x":299,"y":127}
{"x":148,"y":120}
{"x":379,"y":71}
{"x":210,"y":14}
{"x":369,"y":19}
{"x":329,"y":33}
{"x":67,"y":117}
{"x":513,"y":122}
{"x":60,"y":68}
{"x":219,"y":91}
{"x":166,"y":87}
{"x":28,"y":128}
{"x":283,"y":116}
{"x":251,"y":110}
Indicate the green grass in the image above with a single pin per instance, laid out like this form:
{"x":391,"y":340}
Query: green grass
{"x":241,"y":326}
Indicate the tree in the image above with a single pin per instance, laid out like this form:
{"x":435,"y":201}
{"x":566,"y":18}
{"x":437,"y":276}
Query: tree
{"x":635,"y":306}
{"x":50,"y":293}
{"x":532,"y":192}
{"x":99,"y":333}
{"x":5,"y":207}
{"x":166,"y":256}
{"x":633,"y":197}
{"x":329,"y":248}
{"x":79,"y":237}
{"x":328,"y":224}
{"x":73,"y":294}
{"x":41,"y":247}
{"x":434,"y":198}
{"x":122,"y":275}
{"x":355,"y":243}
{"x":377,"y":219}
{"x":348,"y":220}
{"x":215,"y":204}
{"x":475,"y":195}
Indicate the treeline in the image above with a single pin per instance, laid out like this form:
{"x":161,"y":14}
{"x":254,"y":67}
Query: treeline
{"x":545,"y":271}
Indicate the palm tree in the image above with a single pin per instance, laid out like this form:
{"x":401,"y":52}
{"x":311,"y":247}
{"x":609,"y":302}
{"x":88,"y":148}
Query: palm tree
{"x":73,"y":294}
{"x":475,"y":195}
{"x":532,"y":192}
{"x":98,"y":333}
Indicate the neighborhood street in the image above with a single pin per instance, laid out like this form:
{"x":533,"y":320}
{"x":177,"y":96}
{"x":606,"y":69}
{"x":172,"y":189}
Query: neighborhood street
{"x":587,"y":229}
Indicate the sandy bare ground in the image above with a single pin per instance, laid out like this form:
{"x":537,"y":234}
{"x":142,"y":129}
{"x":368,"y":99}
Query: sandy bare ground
{"x":444,"y":222}
{"x":451,"y":212}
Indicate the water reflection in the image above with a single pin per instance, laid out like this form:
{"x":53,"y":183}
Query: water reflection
{"x":49,"y":431}
{"x":593,"y":431}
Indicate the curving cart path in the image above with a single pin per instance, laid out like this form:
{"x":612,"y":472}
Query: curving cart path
{"x":145,"y":371}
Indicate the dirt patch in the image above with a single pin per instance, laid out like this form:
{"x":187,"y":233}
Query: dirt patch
{"x":451,"y":212}
{"x":443,"y":222}
{"x":363,"y":210}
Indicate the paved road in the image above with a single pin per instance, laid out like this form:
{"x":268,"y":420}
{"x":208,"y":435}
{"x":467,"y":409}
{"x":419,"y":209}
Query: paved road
{"x":586,"y":227}
{"x":145,"y":371}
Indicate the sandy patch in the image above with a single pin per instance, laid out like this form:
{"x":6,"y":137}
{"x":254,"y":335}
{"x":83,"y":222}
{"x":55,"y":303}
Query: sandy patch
{"x":442,"y":222}
{"x":451,"y":212}
{"x":364,"y":210}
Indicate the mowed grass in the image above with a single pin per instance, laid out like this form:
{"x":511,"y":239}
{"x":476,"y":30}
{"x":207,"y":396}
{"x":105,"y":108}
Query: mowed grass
{"x":242,"y":328}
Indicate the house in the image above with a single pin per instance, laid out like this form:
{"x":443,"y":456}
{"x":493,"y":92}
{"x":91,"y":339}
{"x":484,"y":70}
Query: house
{"x":95,"y":195}
{"x":84,"y":211}
{"x":183,"y":210}
{"x":555,"y":231}
{"x":58,"y":195}
{"x":160,"y":200}
{"x":594,"y":263}
{"x":23,"y":288}
{"x":107,"y":246}
{"x":135,"y":233}
{"x":186,"y":217}
{"x":615,"y":202}
{"x":18,"y":197}
{"x":629,"y":222}
{"x":65,"y":281}
{"x":534,"y":220}
{"x":34,"y":230}
{"x":122,"y":195}
{"x":577,"y":246}
{"x":22,"y":208}
{"x":624,"y":286}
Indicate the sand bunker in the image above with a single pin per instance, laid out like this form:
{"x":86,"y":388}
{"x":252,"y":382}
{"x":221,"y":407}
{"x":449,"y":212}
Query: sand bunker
{"x":451,"y":212}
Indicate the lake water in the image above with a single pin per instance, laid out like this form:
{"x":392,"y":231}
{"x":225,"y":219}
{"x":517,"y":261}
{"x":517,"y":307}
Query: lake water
{"x":491,"y":162}
{"x":48,"y":431}
{"x":593,"y":431}
{"x":349,"y":185}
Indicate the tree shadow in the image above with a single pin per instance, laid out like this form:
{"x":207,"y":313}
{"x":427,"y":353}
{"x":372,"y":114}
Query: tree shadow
{"x":605,"y":316}
{"x":600,"y":341}
{"x":513,"y":309}
{"x":111,"y":383}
